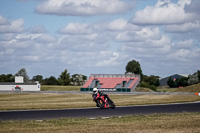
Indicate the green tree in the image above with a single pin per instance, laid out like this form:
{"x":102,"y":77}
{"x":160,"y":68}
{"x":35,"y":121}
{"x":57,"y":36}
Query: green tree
{"x":6,"y":78}
{"x":152,"y":80}
{"x":38,"y":78}
{"x":78,"y":79}
{"x":182,"y":82}
{"x":64,"y":78}
{"x":22,"y":72}
{"x":51,"y":81}
{"x":193,"y":79}
{"x":172,"y":83}
{"x":147,"y":85}
{"x":134,"y":67}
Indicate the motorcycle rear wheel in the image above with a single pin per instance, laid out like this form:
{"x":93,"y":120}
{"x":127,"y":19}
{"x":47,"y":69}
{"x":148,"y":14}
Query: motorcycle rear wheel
{"x":101,"y":104}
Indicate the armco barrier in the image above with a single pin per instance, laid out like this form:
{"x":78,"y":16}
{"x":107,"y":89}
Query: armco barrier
{"x":123,"y":90}
{"x":86,"y":89}
{"x":108,"y":90}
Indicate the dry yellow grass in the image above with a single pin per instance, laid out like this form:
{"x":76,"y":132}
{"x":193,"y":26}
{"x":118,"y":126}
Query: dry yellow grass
{"x":156,"y":123}
{"x":29,"y":101}
{"x":192,"y":88}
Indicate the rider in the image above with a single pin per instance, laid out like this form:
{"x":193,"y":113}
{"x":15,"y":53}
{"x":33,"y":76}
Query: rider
{"x":97,"y":93}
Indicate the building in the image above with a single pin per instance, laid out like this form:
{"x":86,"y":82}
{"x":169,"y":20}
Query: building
{"x":163,"y":81}
{"x":112,"y":82}
{"x":19,"y":85}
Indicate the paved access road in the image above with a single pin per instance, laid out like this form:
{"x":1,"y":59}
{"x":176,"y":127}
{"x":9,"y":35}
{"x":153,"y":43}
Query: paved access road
{"x":96,"y":112}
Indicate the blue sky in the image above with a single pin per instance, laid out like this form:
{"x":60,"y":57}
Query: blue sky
{"x":99,"y":36}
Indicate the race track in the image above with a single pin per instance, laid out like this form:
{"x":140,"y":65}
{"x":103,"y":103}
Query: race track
{"x":96,"y":112}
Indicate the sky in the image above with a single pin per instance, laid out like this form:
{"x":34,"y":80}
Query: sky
{"x":99,"y":36}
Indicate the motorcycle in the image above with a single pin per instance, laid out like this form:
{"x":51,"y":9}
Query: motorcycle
{"x":104,"y":102}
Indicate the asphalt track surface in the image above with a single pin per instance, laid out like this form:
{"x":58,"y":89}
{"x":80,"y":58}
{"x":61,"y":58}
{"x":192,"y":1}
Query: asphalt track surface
{"x":96,"y":112}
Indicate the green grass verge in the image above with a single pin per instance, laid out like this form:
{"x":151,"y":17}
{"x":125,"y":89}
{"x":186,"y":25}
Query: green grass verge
{"x":59,"y":88}
{"x":155,"y":123}
{"x":35,"y":101}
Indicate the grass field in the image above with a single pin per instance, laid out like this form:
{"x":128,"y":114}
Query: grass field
{"x":35,"y":101}
{"x":155,"y":123}
{"x":191,"y":88}
{"x":59,"y":88}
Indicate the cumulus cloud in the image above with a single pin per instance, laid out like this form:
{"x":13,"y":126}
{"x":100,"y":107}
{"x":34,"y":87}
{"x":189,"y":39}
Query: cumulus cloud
{"x":31,"y":58}
{"x":186,"y":27}
{"x":76,"y":28}
{"x":185,"y":44}
{"x":12,"y":27}
{"x":45,"y":38}
{"x":135,"y":36}
{"x":180,"y":55}
{"x":164,"y":12}
{"x":84,"y":7}
{"x":109,"y":59}
{"x":38,"y":29}
{"x":193,"y":7}
{"x":149,"y":47}
{"x":92,"y":42}
{"x":120,"y":25}
{"x":2,"y":20}
{"x":105,"y":45}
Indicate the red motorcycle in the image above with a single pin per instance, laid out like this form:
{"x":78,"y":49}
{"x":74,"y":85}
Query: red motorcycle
{"x":104,"y":102}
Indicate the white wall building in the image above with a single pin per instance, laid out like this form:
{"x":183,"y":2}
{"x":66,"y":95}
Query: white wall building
{"x":19,"y":85}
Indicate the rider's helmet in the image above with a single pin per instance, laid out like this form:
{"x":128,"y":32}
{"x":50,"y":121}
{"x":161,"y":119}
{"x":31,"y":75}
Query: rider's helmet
{"x":95,"y":90}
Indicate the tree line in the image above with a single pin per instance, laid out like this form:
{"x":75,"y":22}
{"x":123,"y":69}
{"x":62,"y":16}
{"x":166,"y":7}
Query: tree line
{"x":63,"y":79}
{"x":132,"y":66}
{"x":152,"y":81}
{"x":185,"y":81}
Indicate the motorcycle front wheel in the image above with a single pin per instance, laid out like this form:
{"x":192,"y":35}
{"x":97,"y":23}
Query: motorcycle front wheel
{"x":111,"y":103}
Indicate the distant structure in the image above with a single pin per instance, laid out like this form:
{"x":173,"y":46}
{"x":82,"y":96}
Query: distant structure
{"x":19,"y":85}
{"x":112,"y":82}
{"x":163,"y":81}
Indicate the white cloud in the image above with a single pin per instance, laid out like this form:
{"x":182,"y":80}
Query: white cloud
{"x":142,"y":35}
{"x":185,"y":44}
{"x":91,"y":42}
{"x":193,"y":7}
{"x":45,"y":38}
{"x":38,"y":29}
{"x":180,"y":55}
{"x":109,"y":59}
{"x":9,"y":51}
{"x":2,"y":20}
{"x":84,"y":7}
{"x":164,"y":12}
{"x":120,"y":25}
{"x":163,"y":41}
{"x":14,"y":27}
{"x":7,"y":37}
{"x":31,"y":58}
{"x":186,"y":27}
{"x":76,"y":28}
{"x":152,"y":49}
